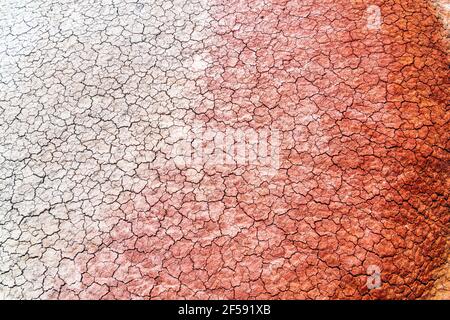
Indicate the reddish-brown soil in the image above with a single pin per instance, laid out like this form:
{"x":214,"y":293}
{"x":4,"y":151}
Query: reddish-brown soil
{"x":358,"y":207}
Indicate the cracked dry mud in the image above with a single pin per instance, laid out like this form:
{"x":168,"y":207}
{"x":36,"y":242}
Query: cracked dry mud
{"x":93,"y":94}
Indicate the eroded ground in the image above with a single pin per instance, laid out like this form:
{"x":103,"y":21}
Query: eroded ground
{"x":96,"y":95}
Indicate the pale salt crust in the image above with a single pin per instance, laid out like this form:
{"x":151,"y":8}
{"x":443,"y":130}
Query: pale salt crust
{"x":443,"y":9}
{"x":93,"y":86}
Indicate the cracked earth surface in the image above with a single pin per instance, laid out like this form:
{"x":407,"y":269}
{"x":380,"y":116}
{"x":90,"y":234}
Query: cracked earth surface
{"x":93,"y":94}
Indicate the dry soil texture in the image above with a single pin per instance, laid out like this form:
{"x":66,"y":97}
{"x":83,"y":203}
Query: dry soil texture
{"x":99,"y":100}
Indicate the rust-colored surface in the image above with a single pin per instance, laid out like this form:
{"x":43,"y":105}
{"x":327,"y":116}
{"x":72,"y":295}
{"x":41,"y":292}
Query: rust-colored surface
{"x":358,"y":207}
